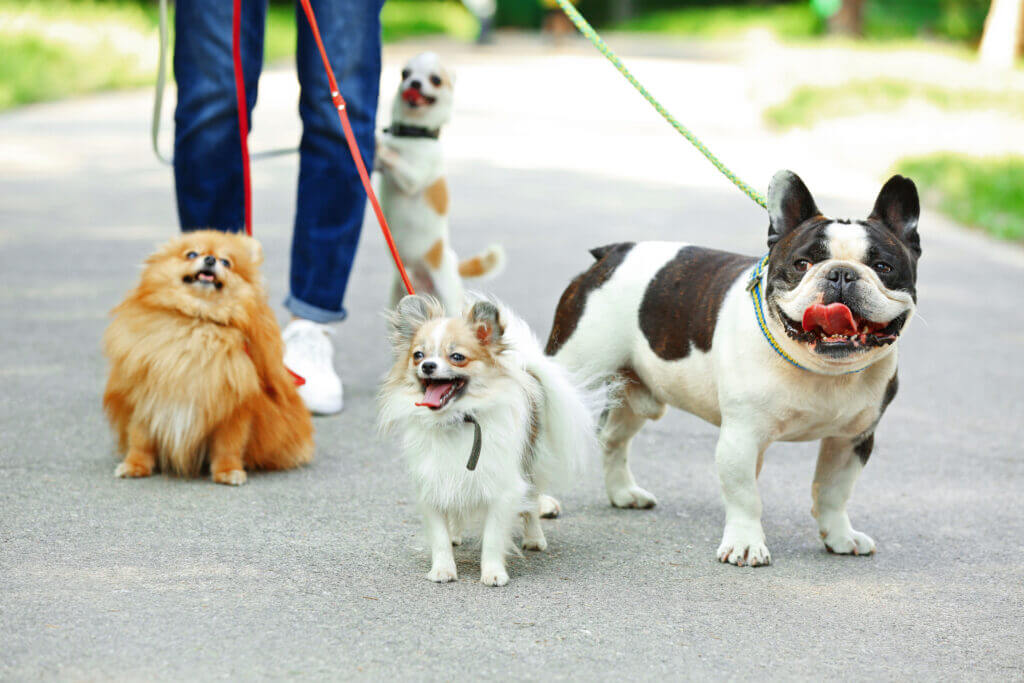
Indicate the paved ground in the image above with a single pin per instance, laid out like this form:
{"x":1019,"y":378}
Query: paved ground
{"x":318,"y":573}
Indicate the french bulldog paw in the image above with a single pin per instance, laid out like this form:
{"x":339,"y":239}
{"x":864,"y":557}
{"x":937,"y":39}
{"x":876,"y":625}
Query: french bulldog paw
{"x":744,"y":546}
{"x":443,"y":574}
{"x":632,"y":497}
{"x":493,"y":576}
{"x":849,"y":542}
{"x":549,"y":506}
{"x":538,"y":544}
{"x":230,"y":477}
{"x":131,"y":470}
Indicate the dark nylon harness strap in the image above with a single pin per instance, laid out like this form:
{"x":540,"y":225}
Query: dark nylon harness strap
{"x":401,"y":130}
{"x":474,"y":455}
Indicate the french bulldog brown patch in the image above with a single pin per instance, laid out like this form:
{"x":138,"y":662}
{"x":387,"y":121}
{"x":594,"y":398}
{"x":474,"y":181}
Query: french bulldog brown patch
{"x":574,"y":298}
{"x":681,"y":304}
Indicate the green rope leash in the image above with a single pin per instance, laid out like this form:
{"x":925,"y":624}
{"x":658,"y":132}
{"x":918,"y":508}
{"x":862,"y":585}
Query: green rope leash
{"x":587,"y":30}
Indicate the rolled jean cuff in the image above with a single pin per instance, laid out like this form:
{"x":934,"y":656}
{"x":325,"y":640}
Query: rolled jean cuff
{"x":301,"y":309}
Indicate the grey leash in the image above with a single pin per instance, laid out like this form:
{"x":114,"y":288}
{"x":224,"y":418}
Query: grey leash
{"x":474,"y":454}
{"x":158,"y":101}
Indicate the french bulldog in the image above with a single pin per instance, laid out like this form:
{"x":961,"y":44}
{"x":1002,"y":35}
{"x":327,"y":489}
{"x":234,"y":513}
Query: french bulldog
{"x":798,"y":346}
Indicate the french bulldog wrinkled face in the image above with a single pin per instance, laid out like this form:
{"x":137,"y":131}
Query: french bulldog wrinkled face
{"x":840,"y":291}
{"x":425,"y":93}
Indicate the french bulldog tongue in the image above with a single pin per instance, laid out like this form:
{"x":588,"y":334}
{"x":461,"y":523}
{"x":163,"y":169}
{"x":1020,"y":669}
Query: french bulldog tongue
{"x":434,"y":392}
{"x":833,"y":319}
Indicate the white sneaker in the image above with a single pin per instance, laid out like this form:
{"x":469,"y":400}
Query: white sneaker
{"x":310,"y":354}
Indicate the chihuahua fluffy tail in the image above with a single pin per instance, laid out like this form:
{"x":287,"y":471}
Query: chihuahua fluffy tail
{"x":569,"y":412}
{"x":488,"y":263}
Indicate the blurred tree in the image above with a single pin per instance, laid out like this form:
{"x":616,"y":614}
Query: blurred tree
{"x":1003,"y":39}
{"x":848,"y":20}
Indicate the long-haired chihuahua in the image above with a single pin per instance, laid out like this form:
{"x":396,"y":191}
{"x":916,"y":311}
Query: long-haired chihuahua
{"x":488,"y":424}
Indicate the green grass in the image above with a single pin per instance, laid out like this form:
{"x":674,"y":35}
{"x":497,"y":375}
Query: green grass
{"x":985,"y":193}
{"x":56,"y":48}
{"x":884,"y":20}
{"x":810,"y":104}
{"x":787,"y":21}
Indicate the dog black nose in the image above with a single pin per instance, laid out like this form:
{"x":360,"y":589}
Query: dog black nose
{"x":428,"y":368}
{"x":843,"y":275}
{"x":417,"y":84}
{"x":210,"y":261}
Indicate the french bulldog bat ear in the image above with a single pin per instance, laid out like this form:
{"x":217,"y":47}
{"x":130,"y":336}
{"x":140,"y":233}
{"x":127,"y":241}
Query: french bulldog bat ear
{"x":789,"y":204}
{"x":410,"y":314}
{"x":486,"y":320}
{"x":254,"y":248}
{"x":899,"y":208}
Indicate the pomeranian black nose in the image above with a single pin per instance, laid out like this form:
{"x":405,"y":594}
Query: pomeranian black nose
{"x":428,"y":368}
{"x":210,"y":261}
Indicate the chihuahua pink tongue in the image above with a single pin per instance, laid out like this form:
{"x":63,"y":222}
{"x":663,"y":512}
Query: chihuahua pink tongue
{"x":833,"y":319}
{"x":434,"y":392}
{"x":413,"y":96}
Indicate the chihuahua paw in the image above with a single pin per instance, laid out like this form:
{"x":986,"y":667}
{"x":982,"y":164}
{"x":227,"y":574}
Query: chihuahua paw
{"x":442,"y":574}
{"x":849,"y":542}
{"x":538,"y":544}
{"x":632,"y":497}
{"x":495,"y":576}
{"x":744,"y":546}
{"x":230,"y":477}
{"x":131,"y":470}
{"x":549,"y":506}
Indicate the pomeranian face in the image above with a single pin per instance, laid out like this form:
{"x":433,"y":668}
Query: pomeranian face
{"x":445,"y":363}
{"x":206,"y":273}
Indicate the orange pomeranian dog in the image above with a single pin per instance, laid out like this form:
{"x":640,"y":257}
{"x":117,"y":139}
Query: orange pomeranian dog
{"x":197,"y":373}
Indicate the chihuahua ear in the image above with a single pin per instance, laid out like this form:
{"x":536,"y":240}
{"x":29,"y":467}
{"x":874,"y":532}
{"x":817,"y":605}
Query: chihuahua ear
{"x":410,"y":314}
{"x":789,"y":204}
{"x":449,"y":75}
{"x":254,"y":248}
{"x":899,"y":208}
{"x":486,"y":321}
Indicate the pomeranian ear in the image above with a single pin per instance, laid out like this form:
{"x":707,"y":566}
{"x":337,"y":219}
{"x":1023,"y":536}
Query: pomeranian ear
{"x":485,"y":319}
{"x":409,"y":315}
{"x":254,"y":248}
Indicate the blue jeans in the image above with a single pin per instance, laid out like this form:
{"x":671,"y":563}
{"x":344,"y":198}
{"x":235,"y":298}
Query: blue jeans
{"x":207,"y":155}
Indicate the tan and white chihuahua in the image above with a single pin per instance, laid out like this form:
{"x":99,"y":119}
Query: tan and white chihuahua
{"x":488,"y":423}
{"x":413,"y":190}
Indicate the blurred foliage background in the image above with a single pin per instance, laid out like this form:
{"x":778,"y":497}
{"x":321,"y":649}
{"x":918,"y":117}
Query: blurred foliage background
{"x":51,"y":49}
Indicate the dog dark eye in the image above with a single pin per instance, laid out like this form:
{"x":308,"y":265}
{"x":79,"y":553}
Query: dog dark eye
{"x":191,"y":255}
{"x":405,"y":74}
{"x":418,"y":355}
{"x":457,"y":357}
{"x":436,"y":80}
{"x":881,"y":267}
{"x":225,"y":262}
{"x":802,"y":265}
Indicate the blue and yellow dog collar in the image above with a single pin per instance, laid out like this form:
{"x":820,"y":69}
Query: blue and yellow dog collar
{"x":754,"y":285}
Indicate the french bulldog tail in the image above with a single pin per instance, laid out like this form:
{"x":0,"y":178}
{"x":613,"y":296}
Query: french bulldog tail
{"x":488,"y":263}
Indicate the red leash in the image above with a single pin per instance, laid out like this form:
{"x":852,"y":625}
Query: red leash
{"x":339,"y":103}
{"x":243,"y":111}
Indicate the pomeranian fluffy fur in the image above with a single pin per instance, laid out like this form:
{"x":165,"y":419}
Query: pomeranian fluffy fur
{"x":537,"y":424}
{"x":196,"y":367}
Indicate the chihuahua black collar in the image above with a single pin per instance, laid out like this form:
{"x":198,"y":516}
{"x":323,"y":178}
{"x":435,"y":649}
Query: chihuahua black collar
{"x":474,"y":454}
{"x":401,"y":130}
